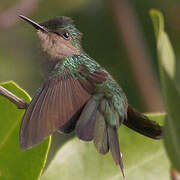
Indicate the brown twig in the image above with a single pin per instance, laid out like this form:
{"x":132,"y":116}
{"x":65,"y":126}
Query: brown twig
{"x":175,"y":174}
{"x":20,"y":103}
{"x":9,"y":17}
{"x":128,"y":27}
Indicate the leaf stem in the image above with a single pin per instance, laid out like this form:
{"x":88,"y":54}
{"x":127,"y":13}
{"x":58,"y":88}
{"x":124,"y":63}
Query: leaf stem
{"x":20,"y":103}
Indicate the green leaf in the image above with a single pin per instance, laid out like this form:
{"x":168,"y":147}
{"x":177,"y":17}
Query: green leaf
{"x":167,"y":66}
{"x":57,"y":141}
{"x":14,"y":163}
{"x":143,"y":158}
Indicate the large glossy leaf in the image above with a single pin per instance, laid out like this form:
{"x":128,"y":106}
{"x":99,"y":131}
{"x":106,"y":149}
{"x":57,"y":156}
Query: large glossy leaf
{"x":143,"y":158}
{"x":14,"y":163}
{"x":167,"y":66}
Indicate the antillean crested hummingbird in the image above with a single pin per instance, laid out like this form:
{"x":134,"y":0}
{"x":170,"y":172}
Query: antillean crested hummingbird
{"x":78,"y":94}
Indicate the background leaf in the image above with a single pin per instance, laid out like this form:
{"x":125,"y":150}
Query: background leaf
{"x":167,"y":66}
{"x":143,"y":158}
{"x":15,"y":164}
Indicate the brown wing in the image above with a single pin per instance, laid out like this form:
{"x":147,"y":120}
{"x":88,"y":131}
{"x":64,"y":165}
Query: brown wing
{"x":98,"y":76}
{"x":52,"y":107}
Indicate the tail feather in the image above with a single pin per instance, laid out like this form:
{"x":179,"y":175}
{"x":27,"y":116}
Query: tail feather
{"x":70,"y":125}
{"x":114,"y":147}
{"x":85,"y":124}
{"x":110,"y":114}
{"x":142,"y":124}
{"x":100,"y":134}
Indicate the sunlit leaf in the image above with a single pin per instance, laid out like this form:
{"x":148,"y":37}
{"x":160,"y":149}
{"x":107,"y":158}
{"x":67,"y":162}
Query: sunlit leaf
{"x":167,"y":66}
{"x":14,"y":163}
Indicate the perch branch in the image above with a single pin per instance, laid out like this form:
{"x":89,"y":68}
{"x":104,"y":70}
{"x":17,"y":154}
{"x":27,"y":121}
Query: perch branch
{"x":20,"y":103}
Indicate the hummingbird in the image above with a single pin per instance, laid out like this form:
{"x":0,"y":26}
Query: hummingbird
{"x":79,"y":95}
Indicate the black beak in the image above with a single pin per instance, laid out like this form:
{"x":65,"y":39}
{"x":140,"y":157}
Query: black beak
{"x":36,"y":25}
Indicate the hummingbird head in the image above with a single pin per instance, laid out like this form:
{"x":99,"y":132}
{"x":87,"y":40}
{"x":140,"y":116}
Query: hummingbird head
{"x":59,"y":37}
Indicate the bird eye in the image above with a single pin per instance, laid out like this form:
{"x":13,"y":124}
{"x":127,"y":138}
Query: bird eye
{"x":66,"y":35}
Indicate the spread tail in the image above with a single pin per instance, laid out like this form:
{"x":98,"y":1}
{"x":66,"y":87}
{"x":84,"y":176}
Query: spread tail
{"x":142,"y":124}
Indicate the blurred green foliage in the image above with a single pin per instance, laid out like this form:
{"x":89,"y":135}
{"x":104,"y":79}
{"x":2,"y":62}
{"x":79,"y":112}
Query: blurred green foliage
{"x":167,"y":66}
{"x":21,"y":58}
{"x":16,"y":164}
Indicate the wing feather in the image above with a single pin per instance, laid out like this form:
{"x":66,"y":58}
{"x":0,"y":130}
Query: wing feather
{"x":51,"y":108}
